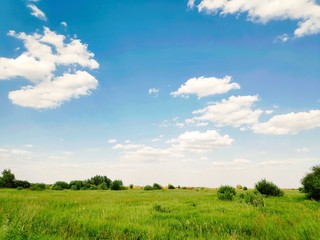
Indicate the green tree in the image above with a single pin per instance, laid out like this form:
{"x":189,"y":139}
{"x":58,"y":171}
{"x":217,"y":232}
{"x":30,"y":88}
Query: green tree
{"x":7,"y":179}
{"x":268,"y":188}
{"x":117,"y":185}
{"x":311,"y":183}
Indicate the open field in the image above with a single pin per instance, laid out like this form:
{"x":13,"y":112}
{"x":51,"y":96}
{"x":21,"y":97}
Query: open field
{"x":167,"y":214}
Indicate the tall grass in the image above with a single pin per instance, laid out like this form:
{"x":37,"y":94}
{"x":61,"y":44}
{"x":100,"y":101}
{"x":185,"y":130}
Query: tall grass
{"x":167,"y":214}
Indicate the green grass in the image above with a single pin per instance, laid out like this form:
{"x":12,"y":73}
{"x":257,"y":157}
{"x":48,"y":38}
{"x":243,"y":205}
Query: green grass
{"x":168,"y":214}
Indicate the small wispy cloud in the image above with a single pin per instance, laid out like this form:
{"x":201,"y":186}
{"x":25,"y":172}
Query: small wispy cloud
{"x":153,"y":91}
{"x":64,"y":24}
{"x":36,"y":12}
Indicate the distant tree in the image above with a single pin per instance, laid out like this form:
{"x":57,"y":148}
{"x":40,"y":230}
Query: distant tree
{"x":268,"y":188}
{"x":131,"y":186}
{"x":103,"y":186}
{"x":226,"y":193}
{"x":157,"y":186}
{"x":76,"y":185}
{"x":60,"y":185}
{"x":245,"y":188}
{"x":170,"y":186}
{"x":117,"y":185}
{"x":239,"y":187}
{"x":148,"y":188}
{"x":7,"y":179}
{"x":38,"y":186}
{"x":311,"y":183}
{"x":22,"y":184}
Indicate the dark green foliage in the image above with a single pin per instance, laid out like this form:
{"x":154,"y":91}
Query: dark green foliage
{"x":97,"y":180}
{"x":8,"y":179}
{"x":76,"y":185}
{"x":131,"y":186}
{"x":311,"y":183}
{"x":170,"y":186}
{"x":38,"y":186}
{"x":268,"y":188}
{"x":60,"y":185}
{"x":245,"y":188}
{"x":22,"y":184}
{"x":226,"y":193}
{"x":148,"y":188}
{"x":158,"y":208}
{"x":116,"y":185}
{"x":157,"y":186}
{"x":253,"y":198}
{"x":103,"y":186}
{"x":19,"y":188}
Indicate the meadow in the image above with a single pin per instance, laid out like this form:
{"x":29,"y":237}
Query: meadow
{"x":161,"y":214}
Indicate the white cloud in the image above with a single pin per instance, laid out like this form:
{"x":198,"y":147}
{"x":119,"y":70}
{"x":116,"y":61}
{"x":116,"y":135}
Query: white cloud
{"x":194,"y":142}
{"x":191,"y":3}
{"x":51,"y":94}
{"x":153,"y":91}
{"x":302,"y":150}
{"x":291,"y":123}
{"x":282,"y":38}
{"x":235,"y":111}
{"x":203,"y":86}
{"x":37,"y":12}
{"x":235,"y":162}
{"x":45,"y":55}
{"x":306,"y":12}
{"x":64,"y":24}
{"x":14,"y":151}
{"x":198,"y":142}
{"x":127,"y":146}
{"x":111,"y":141}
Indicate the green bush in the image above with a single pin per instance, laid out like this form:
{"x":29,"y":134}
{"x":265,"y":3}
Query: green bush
{"x":239,"y":187}
{"x":19,"y":188}
{"x":148,"y":188}
{"x":170,"y":186}
{"x":103,"y":186}
{"x":117,"y":185}
{"x":23,"y":184}
{"x":268,"y":188}
{"x":38,"y":186}
{"x":311,"y":183}
{"x":76,"y":185}
{"x":253,"y":198}
{"x":226,"y":193}
{"x":157,"y":186}
{"x":131,"y":186}
{"x":60,"y":185}
{"x":245,"y":188}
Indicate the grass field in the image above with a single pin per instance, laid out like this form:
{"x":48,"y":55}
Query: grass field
{"x":167,"y":214}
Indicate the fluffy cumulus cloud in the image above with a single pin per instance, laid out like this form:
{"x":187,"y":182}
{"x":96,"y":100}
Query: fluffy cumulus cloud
{"x":45,"y":55}
{"x":37,"y":12}
{"x":50,"y":94}
{"x":306,"y":12}
{"x":203,"y":86}
{"x":235,"y":111}
{"x":291,"y":123}
{"x":190,"y":142}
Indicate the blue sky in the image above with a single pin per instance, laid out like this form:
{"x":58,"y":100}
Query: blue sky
{"x":197,"y":93}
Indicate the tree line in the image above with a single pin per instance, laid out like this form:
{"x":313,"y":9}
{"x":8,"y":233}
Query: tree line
{"x":8,"y":180}
{"x":310,"y":185}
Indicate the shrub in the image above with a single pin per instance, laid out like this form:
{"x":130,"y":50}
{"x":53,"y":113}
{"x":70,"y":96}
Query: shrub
{"x":148,"y":188}
{"x":103,"y":186}
{"x":158,"y":208}
{"x":117,"y":185}
{"x":245,"y":188}
{"x":157,"y":186}
{"x":226,"y":193}
{"x":38,"y":186}
{"x":131,"y":186}
{"x":255,"y":199}
{"x":170,"y":186}
{"x":311,"y":183}
{"x":60,"y":185}
{"x":268,"y":188}
{"x":19,"y":188}
{"x":76,"y":185}
{"x":239,"y":186}
{"x":22,"y":184}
